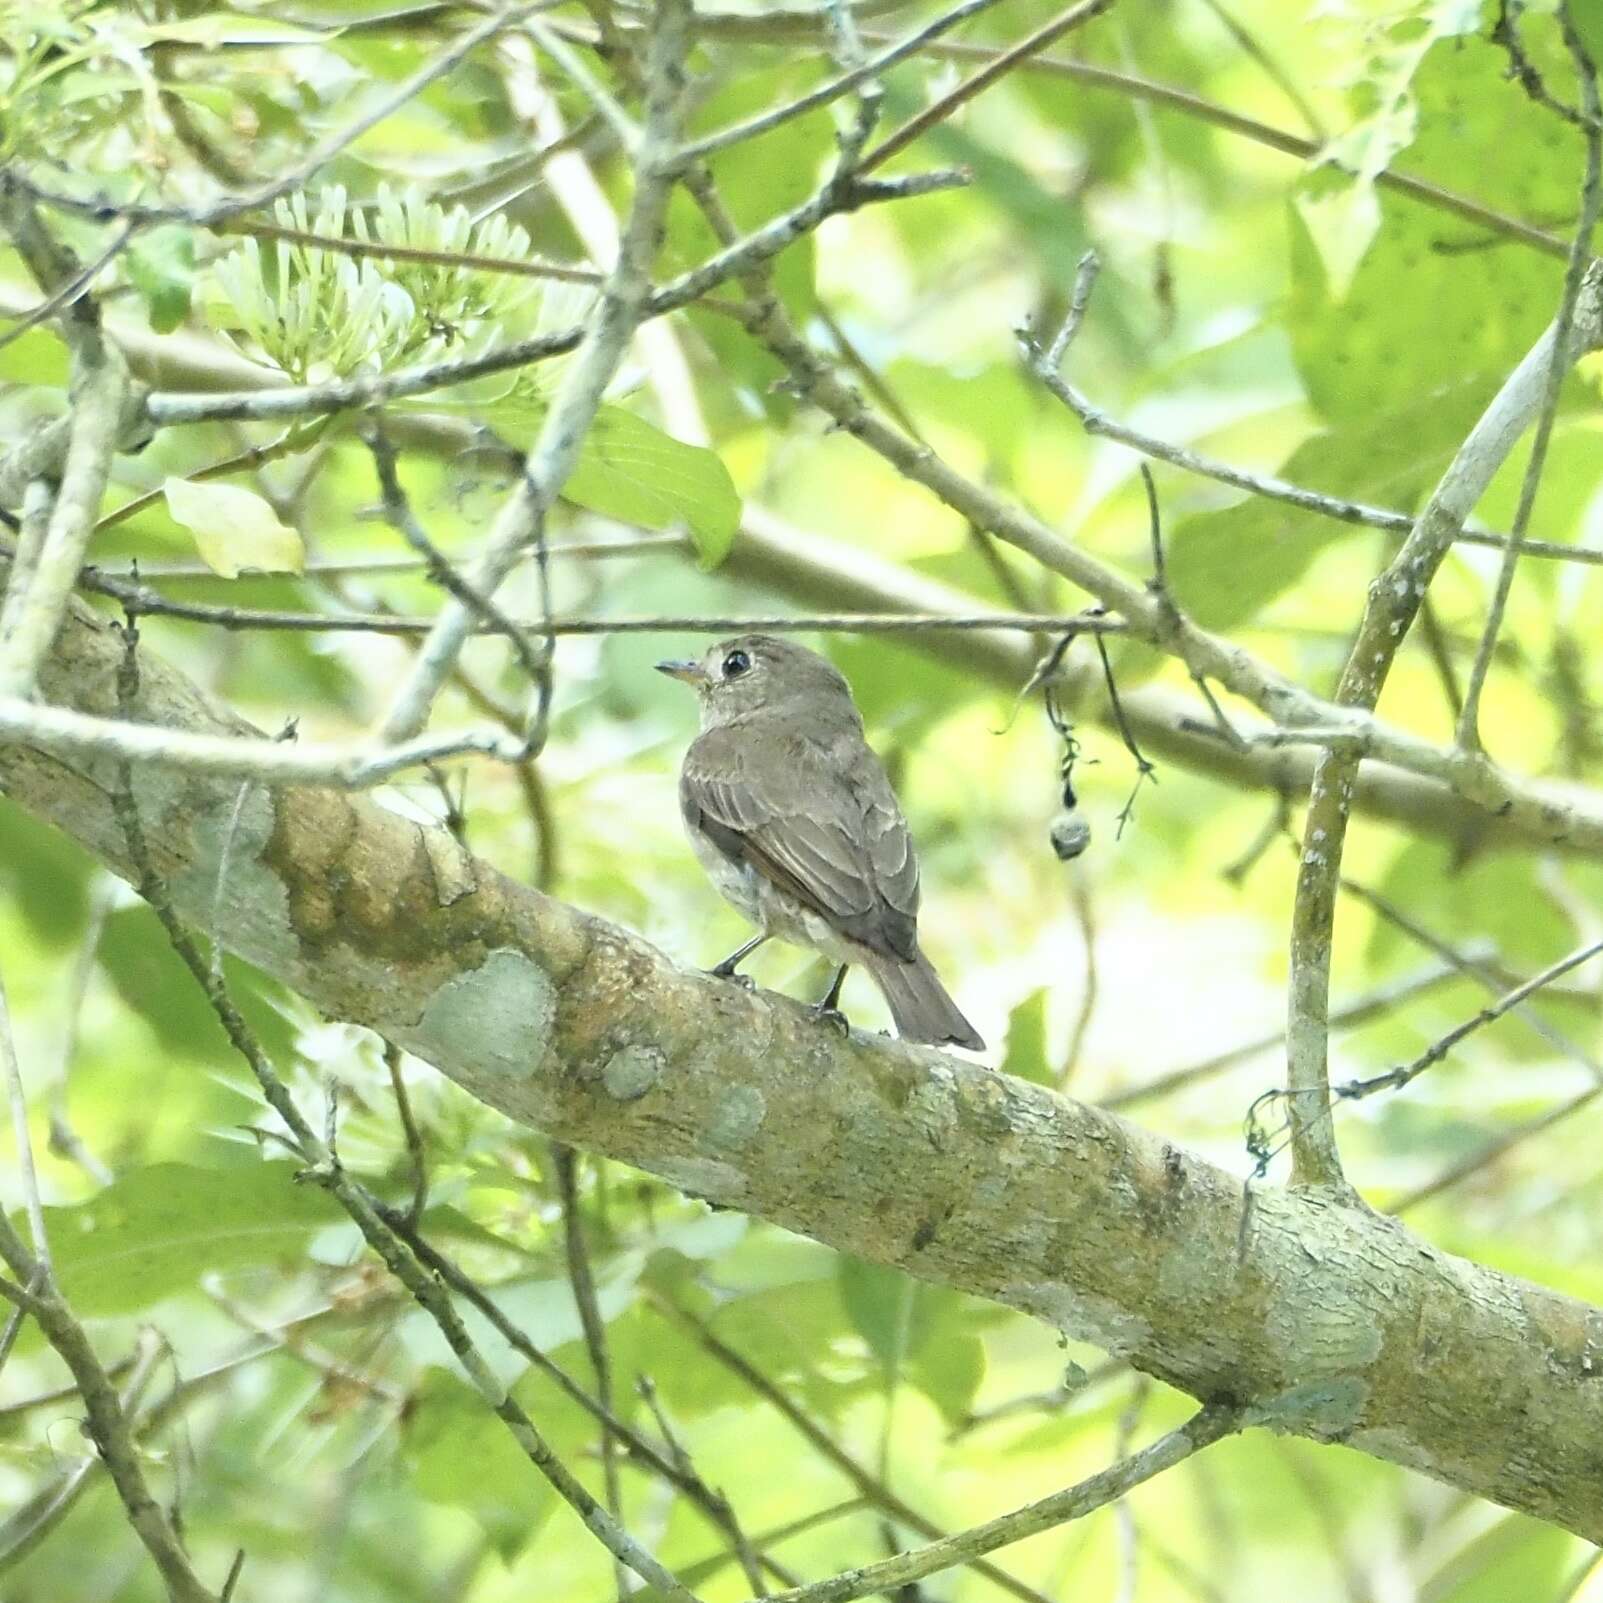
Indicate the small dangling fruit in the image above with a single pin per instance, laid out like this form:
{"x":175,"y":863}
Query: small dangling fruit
{"x":1070,"y":834}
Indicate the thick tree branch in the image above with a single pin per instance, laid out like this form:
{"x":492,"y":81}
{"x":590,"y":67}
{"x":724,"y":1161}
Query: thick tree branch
{"x":1363,"y":1332}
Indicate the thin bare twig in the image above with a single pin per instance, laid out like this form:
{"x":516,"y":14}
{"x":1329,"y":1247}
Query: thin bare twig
{"x":1264,"y":1145}
{"x":1376,"y":1004}
{"x":1393,"y":602}
{"x":17,"y":1098}
{"x":1123,"y":1514}
{"x":872,"y":1489}
{"x":1205,"y":1427}
{"x":660,"y":1461}
{"x":292,"y":440}
{"x":34,"y":1520}
{"x":220,"y":211}
{"x":1132,"y":87}
{"x":382,"y":566}
{"x":68,"y":291}
{"x":416,"y":1151}
{"x":1499,"y":1146}
{"x":619,"y":311}
{"x":1273,"y":70}
{"x":379,"y":1233}
{"x":378,"y":250}
{"x":742,"y":255}
{"x":862,"y":72}
{"x":398,"y":513}
{"x":1047,"y":365}
{"x":106,"y":1418}
{"x":1476,"y":965}
{"x":1074,"y":16}
{"x":1468,"y":733}
{"x":1524,"y":71}
{"x":133,"y":594}
{"x":1396,"y":1079}
{"x":340,"y":765}
{"x":583,"y":1281}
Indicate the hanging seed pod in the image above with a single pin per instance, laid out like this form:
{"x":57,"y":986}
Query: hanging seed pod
{"x":1070,"y":834}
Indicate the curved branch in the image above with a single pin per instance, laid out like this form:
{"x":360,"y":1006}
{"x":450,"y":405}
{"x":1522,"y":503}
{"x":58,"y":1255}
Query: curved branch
{"x":1350,"y":1327}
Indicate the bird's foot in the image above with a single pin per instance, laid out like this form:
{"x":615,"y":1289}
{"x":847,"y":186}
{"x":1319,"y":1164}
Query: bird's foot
{"x":744,"y":981}
{"x":827,"y":1013}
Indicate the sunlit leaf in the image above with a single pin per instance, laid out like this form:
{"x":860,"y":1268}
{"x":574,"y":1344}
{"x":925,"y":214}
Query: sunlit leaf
{"x":235,"y":530}
{"x":35,"y":356}
{"x":629,"y":469}
{"x":1025,"y":1054}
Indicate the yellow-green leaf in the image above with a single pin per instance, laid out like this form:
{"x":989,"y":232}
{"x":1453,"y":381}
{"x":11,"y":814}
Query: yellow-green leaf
{"x":234,"y":529}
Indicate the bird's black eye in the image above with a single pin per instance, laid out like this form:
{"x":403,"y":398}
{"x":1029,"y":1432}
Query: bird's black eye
{"x":735,"y":664}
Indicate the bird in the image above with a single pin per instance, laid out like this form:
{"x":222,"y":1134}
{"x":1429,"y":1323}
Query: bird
{"x":792,"y":816}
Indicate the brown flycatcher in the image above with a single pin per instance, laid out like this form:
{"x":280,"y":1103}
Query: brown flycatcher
{"x":793,"y":818}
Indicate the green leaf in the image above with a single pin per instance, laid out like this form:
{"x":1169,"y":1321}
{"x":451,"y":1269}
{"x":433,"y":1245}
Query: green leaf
{"x":880,"y":1303}
{"x":150,"y":977}
{"x":949,"y":1370}
{"x":631,"y":470}
{"x":156,"y":1231}
{"x":785,"y":1328}
{"x":1225,"y":567}
{"x":1026,"y":1040}
{"x":1588,"y":21}
{"x":35,"y":356}
{"x":228,"y":28}
{"x":161,"y":265}
{"x":1501,"y":897}
{"x":234,"y":529}
{"x":918,"y":1332}
{"x":43,"y":874}
{"x":464,"y":1457}
{"x":1482,"y":301}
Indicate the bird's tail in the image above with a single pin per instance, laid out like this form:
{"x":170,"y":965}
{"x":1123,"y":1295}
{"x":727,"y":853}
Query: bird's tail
{"x":919,"y":1003}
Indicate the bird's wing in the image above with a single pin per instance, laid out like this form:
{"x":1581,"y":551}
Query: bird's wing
{"x":813,"y":821}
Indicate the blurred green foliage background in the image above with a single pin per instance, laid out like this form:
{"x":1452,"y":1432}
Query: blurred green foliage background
{"x":1284,"y":313}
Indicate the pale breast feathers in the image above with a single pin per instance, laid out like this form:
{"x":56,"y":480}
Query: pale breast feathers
{"x":783,"y":807}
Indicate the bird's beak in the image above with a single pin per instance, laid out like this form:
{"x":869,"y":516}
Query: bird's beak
{"x":692,"y":673}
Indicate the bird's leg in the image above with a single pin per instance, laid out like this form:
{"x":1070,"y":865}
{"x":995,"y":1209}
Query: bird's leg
{"x":726,"y":969}
{"x":826,"y":1008}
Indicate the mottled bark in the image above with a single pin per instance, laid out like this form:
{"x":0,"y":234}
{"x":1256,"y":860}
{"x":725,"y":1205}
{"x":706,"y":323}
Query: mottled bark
{"x":1365,"y":1333}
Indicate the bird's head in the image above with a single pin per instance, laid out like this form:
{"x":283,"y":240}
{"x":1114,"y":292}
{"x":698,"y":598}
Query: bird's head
{"x":752,"y":674}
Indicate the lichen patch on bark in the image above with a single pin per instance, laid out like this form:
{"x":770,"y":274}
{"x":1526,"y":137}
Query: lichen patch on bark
{"x":494,"y":1020}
